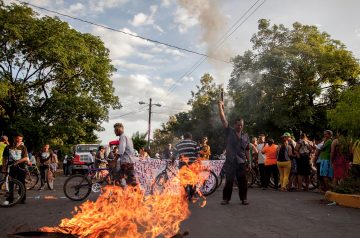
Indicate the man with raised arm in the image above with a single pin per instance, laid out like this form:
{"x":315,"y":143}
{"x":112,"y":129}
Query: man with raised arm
{"x":237,"y":157}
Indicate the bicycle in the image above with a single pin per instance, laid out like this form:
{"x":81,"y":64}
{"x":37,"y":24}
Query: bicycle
{"x":32,"y":177}
{"x":78,"y":187}
{"x":49,"y":175}
{"x":313,"y":183}
{"x":250,"y":176}
{"x":12,"y":191}
{"x":208,"y":187}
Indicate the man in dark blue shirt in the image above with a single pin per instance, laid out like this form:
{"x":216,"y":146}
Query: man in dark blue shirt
{"x":237,"y":158}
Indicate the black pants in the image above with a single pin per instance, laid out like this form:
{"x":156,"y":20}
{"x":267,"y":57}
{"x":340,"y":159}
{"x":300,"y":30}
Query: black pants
{"x":240,"y":173}
{"x":188,"y":188}
{"x":272,"y":170}
{"x":127,"y":171}
{"x":262,"y":175}
{"x":65,"y":169}
{"x":42,"y":174}
{"x":19,"y":174}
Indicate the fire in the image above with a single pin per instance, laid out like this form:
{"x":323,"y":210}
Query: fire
{"x":128,"y":212}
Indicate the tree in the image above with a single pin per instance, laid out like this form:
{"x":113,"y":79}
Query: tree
{"x":201,"y":120}
{"x":139,"y":140}
{"x":291,"y":78}
{"x":57,"y":79}
{"x":346,"y":114}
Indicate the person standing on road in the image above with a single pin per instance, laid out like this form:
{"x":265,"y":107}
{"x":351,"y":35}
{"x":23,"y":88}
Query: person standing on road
{"x":16,"y":155}
{"x":186,"y":151}
{"x":65,"y":167}
{"x":269,"y":151}
{"x":284,"y":152}
{"x":168,"y":152}
{"x":326,"y":170}
{"x":3,"y":143}
{"x":261,"y":160}
{"x":237,"y":157}
{"x":48,"y":160}
{"x":205,"y":150}
{"x":125,"y":163}
{"x":303,"y":149}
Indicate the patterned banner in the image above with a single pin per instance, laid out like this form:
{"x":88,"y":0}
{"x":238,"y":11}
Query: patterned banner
{"x":146,"y":170}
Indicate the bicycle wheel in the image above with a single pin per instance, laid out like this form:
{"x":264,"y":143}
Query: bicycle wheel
{"x":49,"y":179}
{"x":31,"y":180}
{"x":210,"y":184}
{"x":6,"y":200}
{"x":159,"y":183}
{"x":77,"y":187}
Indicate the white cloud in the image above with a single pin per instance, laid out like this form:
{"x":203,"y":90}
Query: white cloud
{"x":184,"y":20}
{"x":76,"y":9}
{"x":165,"y":3}
{"x":142,"y":19}
{"x":120,"y":45}
{"x":188,"y":79}
{"x":169,"y":82}
{"x":357,"y":32}
{"x":132,"y":66}
{"x":102,"y":5}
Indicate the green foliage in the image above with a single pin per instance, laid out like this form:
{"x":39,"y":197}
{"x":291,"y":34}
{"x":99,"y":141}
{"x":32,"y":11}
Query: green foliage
{"x":57,"y":80}
{"x":202,"y":120}
{"x":139,"y":140}
{"x":290,"y":79}
{"x":346,"y":114}
{"x":350,"y":185}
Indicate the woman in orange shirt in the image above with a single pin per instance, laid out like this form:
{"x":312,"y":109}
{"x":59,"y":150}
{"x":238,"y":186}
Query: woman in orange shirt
{"x":269,"y":151}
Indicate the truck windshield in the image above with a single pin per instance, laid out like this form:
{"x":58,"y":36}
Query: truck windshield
{"x":86,"y":148}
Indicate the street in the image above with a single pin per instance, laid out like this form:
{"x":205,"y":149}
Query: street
{"x":270,"y":214}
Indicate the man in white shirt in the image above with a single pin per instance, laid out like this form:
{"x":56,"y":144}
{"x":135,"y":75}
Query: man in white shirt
{"x":261,"y":160}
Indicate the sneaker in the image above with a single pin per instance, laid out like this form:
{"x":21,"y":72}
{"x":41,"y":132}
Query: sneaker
{"x":244,"y":202}
{"x":41,"y":187}
{"x":224,"y":202}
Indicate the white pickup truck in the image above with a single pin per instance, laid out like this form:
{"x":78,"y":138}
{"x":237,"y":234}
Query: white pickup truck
{"x":82,"y":157}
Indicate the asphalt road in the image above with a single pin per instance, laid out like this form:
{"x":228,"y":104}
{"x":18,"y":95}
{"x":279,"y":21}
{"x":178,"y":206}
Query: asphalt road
{"x":270,"y":214}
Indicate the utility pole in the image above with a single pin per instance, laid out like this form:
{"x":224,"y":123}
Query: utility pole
{"x":149,"y":122}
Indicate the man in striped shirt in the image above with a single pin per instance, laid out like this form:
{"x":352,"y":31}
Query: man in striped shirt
{"x":187,"y":148}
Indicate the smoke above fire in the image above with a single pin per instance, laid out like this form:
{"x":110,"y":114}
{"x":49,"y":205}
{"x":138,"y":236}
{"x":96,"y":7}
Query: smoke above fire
{"x":213,"y":24}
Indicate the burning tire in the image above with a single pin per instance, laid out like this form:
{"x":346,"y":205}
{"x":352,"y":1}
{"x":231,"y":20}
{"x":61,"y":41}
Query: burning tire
{"x":77,"y":187}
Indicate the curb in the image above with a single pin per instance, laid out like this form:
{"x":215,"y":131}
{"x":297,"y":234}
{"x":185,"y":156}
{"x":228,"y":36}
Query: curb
{"x":346,"y":200}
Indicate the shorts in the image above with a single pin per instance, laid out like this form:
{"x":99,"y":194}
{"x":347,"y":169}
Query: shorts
{"x":303,"y":165}
{"x":326,"y":169}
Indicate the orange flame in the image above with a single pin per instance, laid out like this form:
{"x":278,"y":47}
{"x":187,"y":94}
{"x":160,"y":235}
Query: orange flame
{"x":127,"y":212}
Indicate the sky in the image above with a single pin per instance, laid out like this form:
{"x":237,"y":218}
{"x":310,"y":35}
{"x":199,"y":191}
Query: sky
{"x":168,"y":75}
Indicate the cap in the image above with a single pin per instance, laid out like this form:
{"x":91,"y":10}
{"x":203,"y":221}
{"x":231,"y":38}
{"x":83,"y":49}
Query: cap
{"x":286,"y":134}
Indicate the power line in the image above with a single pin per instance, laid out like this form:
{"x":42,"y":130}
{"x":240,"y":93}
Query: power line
{"x":220,"y":42}
{"x":123,"y":32}
{"x":131,"y":112}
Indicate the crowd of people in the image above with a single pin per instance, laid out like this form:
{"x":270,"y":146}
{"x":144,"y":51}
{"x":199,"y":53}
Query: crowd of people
{"x":289,"y":163}
{"x":15,"y":158}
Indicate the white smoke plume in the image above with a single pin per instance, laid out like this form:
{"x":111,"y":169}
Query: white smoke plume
{"x":214,"y":25}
